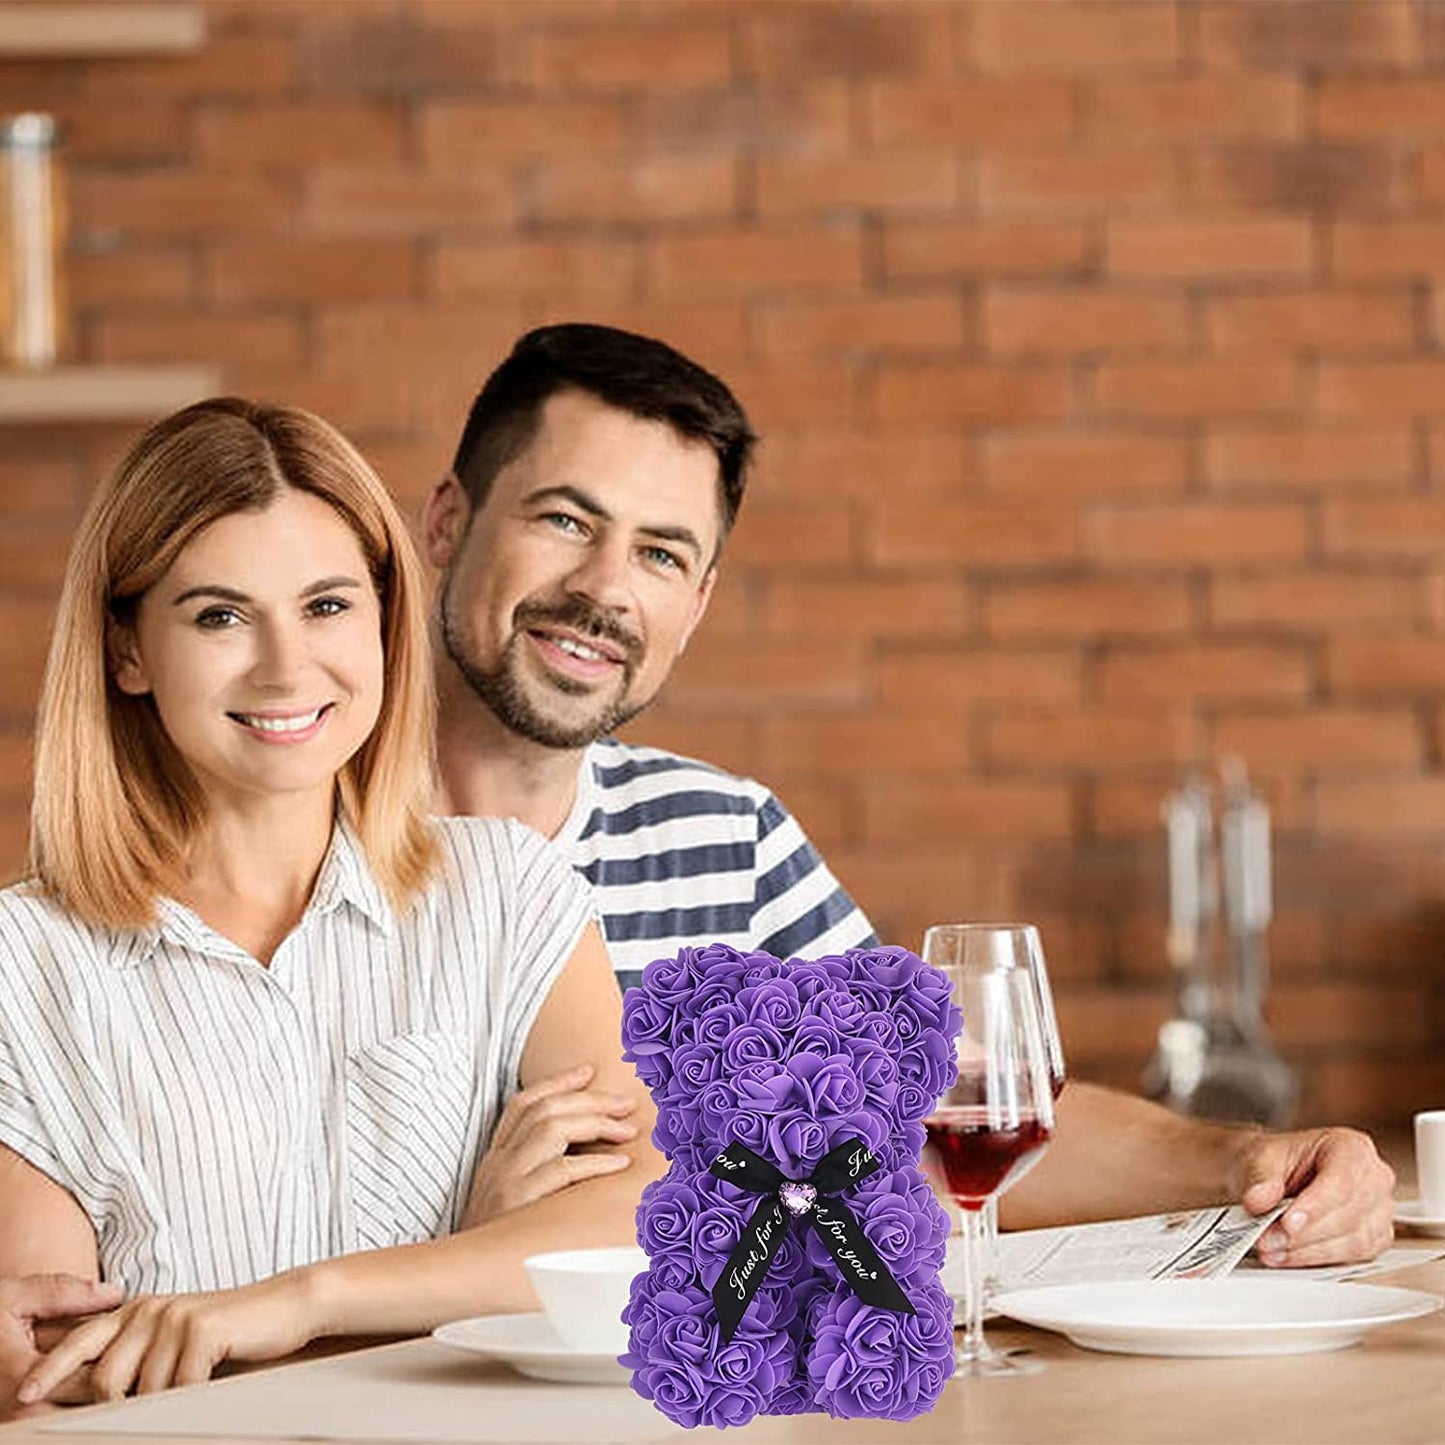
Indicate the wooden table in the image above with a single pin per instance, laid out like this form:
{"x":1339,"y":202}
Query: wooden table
{"x":1390,"y":1388}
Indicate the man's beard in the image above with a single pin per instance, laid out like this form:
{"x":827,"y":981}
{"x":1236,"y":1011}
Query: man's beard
{"x":501,"y":690}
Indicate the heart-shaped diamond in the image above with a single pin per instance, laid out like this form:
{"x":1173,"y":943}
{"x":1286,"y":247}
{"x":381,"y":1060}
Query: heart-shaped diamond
{"x":797,"y":1198}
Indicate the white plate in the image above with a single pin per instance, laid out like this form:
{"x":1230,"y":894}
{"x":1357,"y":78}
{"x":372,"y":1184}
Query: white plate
{"x":1412,"y":1212}
{"x":1233,"y":1316}
{"x":531,"y":1346}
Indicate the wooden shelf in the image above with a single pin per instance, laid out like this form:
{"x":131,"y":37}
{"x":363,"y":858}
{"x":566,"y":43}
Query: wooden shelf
{"x":101,"y":393}
{"x":60,"y":28}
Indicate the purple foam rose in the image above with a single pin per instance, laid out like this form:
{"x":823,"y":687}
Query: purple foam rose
{"x":753,"y":1042}
{"x":839,"y":1009}
{"x":878,"y":1028}
{"x":813,"y":1036}
{"x":928,"y":1062}
{"x":830,"y":1086}
{"x":694,"y":1067}
{"x":892,"y":967}
{"x":796,"y":1141}
{"x":717,"y":1025}
{"x":773,"y":1002}
{"x":647,"y":1025}
{"x":665,"y":1224}
{"x":769,"y":1087}
{"x":669,"y":980}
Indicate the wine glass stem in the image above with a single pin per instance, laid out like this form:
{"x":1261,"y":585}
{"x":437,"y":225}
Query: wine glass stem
{"x":975,"y":1265}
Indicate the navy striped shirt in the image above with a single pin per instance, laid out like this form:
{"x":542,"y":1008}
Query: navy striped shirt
{"x":681,"y":853}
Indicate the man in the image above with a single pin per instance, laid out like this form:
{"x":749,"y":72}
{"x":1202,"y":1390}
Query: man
{"x":578,"y":538}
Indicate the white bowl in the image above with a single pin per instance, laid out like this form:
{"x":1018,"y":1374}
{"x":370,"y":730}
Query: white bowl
{"x":584,"y":1291}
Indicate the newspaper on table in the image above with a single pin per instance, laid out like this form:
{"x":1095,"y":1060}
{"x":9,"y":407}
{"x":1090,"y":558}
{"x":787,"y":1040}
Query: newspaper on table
{"x":1190,"y":1244}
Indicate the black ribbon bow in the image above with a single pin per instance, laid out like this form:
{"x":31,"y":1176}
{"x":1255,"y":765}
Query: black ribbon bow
{"x":813,"y":1198}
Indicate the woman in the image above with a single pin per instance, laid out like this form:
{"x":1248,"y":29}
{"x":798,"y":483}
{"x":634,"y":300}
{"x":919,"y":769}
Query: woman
{"x":258,"y":1015}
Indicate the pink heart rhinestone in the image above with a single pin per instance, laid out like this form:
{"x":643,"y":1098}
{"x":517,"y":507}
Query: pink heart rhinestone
{"x":797,"y":1198}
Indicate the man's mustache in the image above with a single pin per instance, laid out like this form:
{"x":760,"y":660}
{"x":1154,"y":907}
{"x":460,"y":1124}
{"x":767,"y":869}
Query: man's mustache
{"x":579,"y":615}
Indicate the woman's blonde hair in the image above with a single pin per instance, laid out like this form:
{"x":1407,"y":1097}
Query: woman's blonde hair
{"x":116,"y":807}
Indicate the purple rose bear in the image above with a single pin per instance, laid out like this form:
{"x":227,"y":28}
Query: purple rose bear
{"x":794,"y":1246}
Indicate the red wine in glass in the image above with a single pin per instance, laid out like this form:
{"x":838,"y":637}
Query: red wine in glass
{"x":979,"y":1159}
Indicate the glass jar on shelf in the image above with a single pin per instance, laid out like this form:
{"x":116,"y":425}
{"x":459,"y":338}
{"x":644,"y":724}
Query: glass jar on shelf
{"x":32,"y":239}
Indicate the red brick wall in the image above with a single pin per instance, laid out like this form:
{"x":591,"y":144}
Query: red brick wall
{"x":1096,"y":346}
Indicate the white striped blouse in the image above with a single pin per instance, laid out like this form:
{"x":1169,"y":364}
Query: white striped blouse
{"x":219,"y":1121}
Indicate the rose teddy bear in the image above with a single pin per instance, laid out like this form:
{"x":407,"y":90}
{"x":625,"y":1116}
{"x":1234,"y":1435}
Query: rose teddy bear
{"x":794,"y":1245}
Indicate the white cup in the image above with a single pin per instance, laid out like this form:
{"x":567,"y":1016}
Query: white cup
{"x":584,"y":1291}
{"x":1430,"y":1161}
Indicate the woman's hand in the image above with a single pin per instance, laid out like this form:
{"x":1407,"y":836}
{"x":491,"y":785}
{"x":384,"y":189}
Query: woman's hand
{"x":530,"y":1154}
{"x":31,"y":1305}
{"x":157,"y":1341}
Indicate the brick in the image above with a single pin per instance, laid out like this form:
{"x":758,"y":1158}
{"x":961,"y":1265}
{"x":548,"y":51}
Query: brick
{"x":743,"y":262}
{"x":299,"y":134}
{"x":1308,"y":176}
{"x":1385,"y":528}
{"x":388,"y":55}
{"x":1303,"y":35}
{"x":1432,"y":174}
{"x":132,"y":276}
{"x":1383,"y":389}
{"x":792,"y":43}
{"x":824,"y":811}
{"x":1206,"y":673}
{"x":227,"y":64}
{"x":888,"y":323}
{"x":1407,"y":806}
{"x":1086,"y":608}
{"x":789,"y":535}
{"x":890,"y":743}
{"x":630,"y":57}
{"x":994,"y":113}
{"x":904,"y":889}
{"x":725,"y":742}
{"x":434,"y":347}
{"x":636,"y":189}
{"x":744,"y":676}
{"x":1380,"y":939}
{"x":1080,"y":465}
{"x":999,"y":248}
{"x":179,"y":203}
{"x":884,"y":182}
{"x":32,"y":560}
{"x":1315,"y":1015}
{"x":1238,"y":247}
{"x":1204,"y":535}
{"x":957,"y":680}
{"x":353,"y":393}
{"x":302,"y":270}
{"x":38,"y":473}
{"x":832,"y":463}
{"x":1308,"y":456}
{"x":814,"y":119}
{"x":1061,"y":323}
{"x":984,"y":537}
{"x":546,"y":270}
{"x":995,"y":395}
{"x":455,"y":133}
{"x":1195,"y":106}
{"x":1132,"y":808}
{"x":256,"y":340}
{"x":24,"y":644}
{"x":365,"y":200}
{"x":1337,"y":321}
{"x":15,"y":768}
{"x":1312,"y":601}
{"x":796,"y":394}
{"x":1057,"y":35}
{"x":1199,"y":388}
{"x":864,"y":607}
{"x":986,"y":811}
{"x":1389,"y":248}
{"x":1077,"y":180}
{"x":1112,"y":1025}
{"x":142,"y":131}
{"x":1335,"y":738}
{"x":1090,"y":740}
{"x":1368,"y":1091}
{"x":1383,"y":666}
{"x":1402,"y":105}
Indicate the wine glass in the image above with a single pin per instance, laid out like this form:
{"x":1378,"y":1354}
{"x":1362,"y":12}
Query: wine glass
{"x":993,"y":1124}
{"x":944,"y":945}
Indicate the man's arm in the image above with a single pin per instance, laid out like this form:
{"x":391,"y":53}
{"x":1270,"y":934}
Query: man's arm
{"x":1114,"y":1155}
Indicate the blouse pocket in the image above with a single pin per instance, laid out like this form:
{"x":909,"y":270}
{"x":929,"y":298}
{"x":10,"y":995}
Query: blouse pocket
{"x":408,"y":1107}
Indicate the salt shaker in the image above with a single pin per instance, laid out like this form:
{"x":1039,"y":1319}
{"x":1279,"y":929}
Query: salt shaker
{"x":32,"y":230}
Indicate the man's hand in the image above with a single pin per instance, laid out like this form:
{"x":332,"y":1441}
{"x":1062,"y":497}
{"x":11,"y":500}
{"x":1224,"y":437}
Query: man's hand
{"x":29,"y":1302}
{"x":530,"y":1153}
{"x":156,"y":1341}
{"x":1343,"y":1195}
